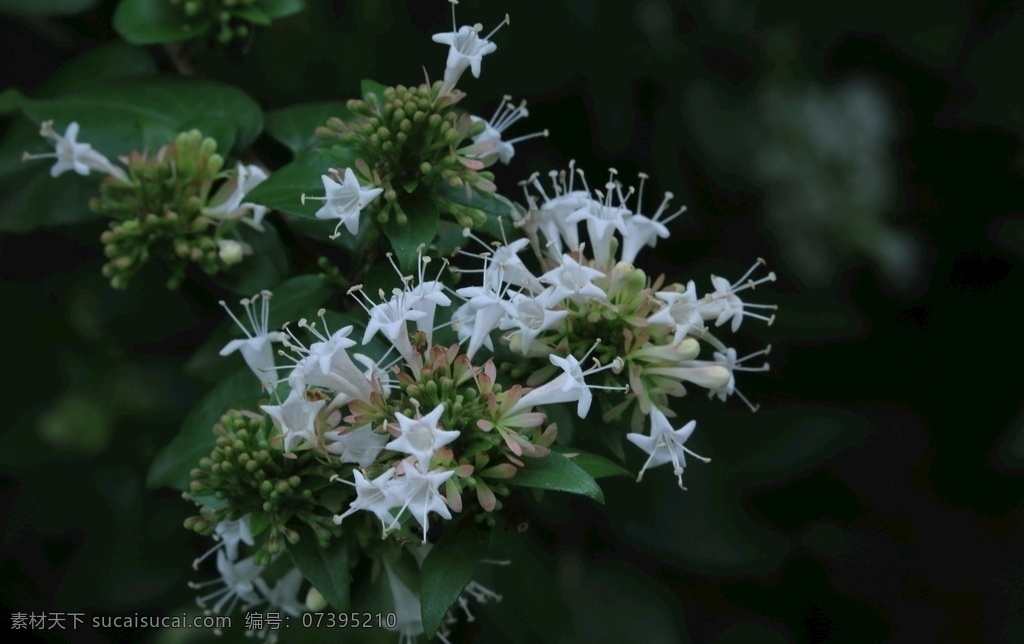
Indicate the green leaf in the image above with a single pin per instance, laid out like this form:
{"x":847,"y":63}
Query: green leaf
{"x":258,"y":522}
{"x":420,"y":229}
{"x":326,"y":568}
{"x":556,"y":472}
{"x":596,"y":466}
{"x":148,"y":22}
{"x":282,"y":8}
{"x":448,"y":568}
{"x":252,"y":14}
{"x":172,"y":465}
{"x":284,"y":188}
{"x":496,"y":207}
{"x":33,"y":199}
{"x":45,"y":7}
{"x":294,"y":125}
{"x":106,"y":62}
{"x":372,"y":87}
{"x":299,"y":297}
{"x":120,"y":116}
{"x":10,"y":98}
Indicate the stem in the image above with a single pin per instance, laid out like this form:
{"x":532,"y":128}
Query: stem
{"x":182,"y":61}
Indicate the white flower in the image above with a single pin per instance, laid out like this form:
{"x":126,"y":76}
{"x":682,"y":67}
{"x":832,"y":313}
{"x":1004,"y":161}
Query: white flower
{"x":574,"y":280}
{"x":503,"y":118}
{"x":284,"y":595}
{"x":377,"y":496}
{"x":326,"y":364}
{"x":640,"y":230}
{"x":665,"y":445}
{"x":359,"y":446}
{"x":229,"y":534}
{"x":239,"y":580}
{"x":420,"y":496}
{"x":729,"y":361}
{"x":408,"y":616}
{"x":255,"y":348}
{"x":296,"y":418}
{"x":553,"y":212}
{"x":681,"y":311}
{"x":569,"y":386}
{"x":421,"y":437}
{"x":531,"y":316}
{"x":228,"y":200}
{"x":425,"y":297}
{"x":724,"y":304}
{"x":72,"y":155}
{"x":465,"y":49}
{"x":603,"y":219}
{"x":488,"y":307}
{"x":390,"y":318}
{"x":345,"y":199}
{"x":464,"y":321}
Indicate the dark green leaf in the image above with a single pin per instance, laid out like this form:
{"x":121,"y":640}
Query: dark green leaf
{"x":596,"y":466}
{"x":258,"y":522}
{"x":120,"y":116}
{"x":253,"y":14}
{"x":103,"y":63}
{"x":299,"y":297}
{"x":326,"y":568}
{"x":294,"y":125}
{"x":556,"y":472}
{"x":420,"y":229}
{"x":282,"y":8}
{"x":172,"y":465}
{"x":9,"y":100}
{"x":801,"y":438}
{"x":35,"y":199}
{"x":45,"y":7}
{"x":372,"y":87}
{"x":448,"y":568}
{"x":499,"y":209}
{"x":148,"y":22}
{"x":284,"y":188}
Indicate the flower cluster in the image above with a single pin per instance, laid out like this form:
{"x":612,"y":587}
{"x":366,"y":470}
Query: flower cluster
{"x":412,"y":138}
{"x":589,"y":298}
{"x":419,"y":410}
{"x":161,"y":205}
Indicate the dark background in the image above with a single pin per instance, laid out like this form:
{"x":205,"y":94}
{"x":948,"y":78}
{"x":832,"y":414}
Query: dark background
{"x":869,"y":151}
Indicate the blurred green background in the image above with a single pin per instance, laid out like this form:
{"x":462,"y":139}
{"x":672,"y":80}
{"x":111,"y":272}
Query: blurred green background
{"x":870,"y":151}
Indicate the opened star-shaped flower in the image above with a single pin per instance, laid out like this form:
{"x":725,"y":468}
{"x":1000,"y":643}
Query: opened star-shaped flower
{"x":255,"y":348}
{"x":682,"y":311}
{"x":295,"y":418}
{"x":377,"y":496}
{"x":228,"y":200}
{"x":465,"y":49}
{"x":665,"y":445}
{"x":419,"y":489}
{"x":357,"y":446}
{"x":421,"y":436}
{"x":72,"y":155}
{"x":574,"y":280}
{"x":344,"y":199}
